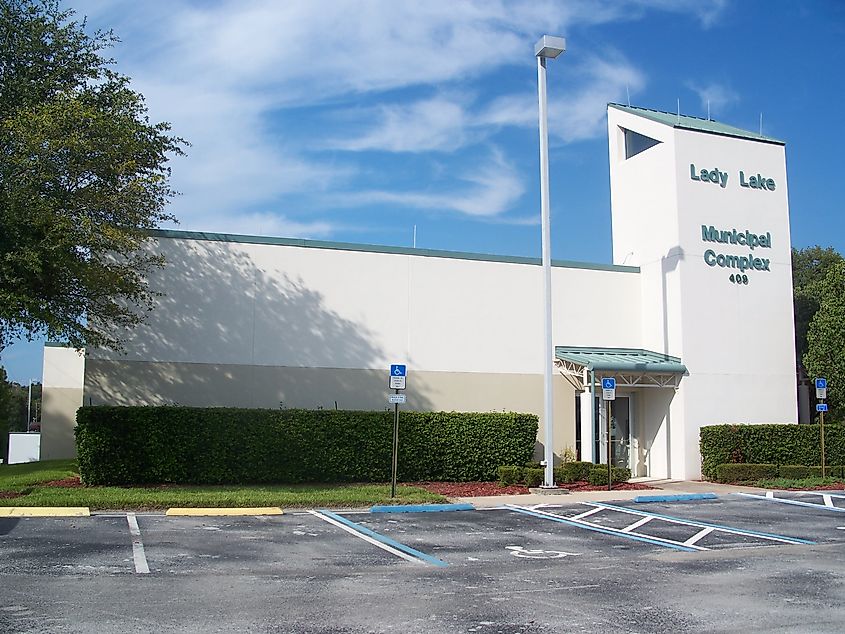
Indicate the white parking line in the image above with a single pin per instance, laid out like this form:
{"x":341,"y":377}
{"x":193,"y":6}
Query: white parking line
{"x":635,"y":525}
{"x":704,"y":532}
{"x":138,"y":555}
{"x":366,"y":538}
{"x":585,"y":514}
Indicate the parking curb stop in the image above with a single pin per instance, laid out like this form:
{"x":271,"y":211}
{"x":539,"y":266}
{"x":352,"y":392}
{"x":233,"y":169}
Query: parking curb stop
{"x":45,"y":511}
{"x":240,"y":511}
{"x":421,"y":508}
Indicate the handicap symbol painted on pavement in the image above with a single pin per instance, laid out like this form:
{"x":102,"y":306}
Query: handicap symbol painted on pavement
{"x":519,"y":551}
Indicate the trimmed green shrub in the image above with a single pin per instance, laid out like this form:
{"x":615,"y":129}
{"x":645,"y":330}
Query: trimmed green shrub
{"x":510,"y":474}
{"x":745,"y":472}
{"x":598,"y":475}
{"x":534,"y":477}
{"x":574,"y":472}
{"x":192,"y":445}
{"x":794,"y":472}
{"x":773,"y":444}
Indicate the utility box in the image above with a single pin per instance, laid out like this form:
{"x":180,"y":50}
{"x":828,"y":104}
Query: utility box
{"x":24,"y":447}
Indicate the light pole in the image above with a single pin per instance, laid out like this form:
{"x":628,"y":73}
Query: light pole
{"x":547,"y":47}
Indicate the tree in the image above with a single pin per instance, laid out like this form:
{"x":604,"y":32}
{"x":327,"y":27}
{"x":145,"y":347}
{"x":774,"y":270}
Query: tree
{"x":809,"y":268}
{"x":826,"y":338}
{"x":83,"y":176}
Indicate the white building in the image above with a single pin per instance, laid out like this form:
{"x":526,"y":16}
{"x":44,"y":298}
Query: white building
{"x":694,"y":319}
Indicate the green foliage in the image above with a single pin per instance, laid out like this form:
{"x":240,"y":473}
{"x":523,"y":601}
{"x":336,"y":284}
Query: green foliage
{"x":510,"y":474}
{"x":136,"y":445}
{"x":598,"y":475}
{"x":534,"y":477}
{"x":825,"y":354}
{"x":776,"y":444}
{"x":83,"y":176}
{"x":809,"y":269}
{"x":749,"y":472}
{"x":574,"y":472}
{"x":812,"y":482}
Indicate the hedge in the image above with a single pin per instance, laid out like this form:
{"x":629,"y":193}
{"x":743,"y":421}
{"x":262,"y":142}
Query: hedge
{"x":598,"y":475}
{"x":746,"y":472}
{"x":728,"y":473}
{"x":772,"y":444}
{"x":533,"y":474}
{"x":189,"y":445}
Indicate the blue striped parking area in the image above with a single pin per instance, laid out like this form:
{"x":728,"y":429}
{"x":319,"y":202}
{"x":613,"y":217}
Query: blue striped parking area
{"x":377,"y":539}
{"x":579,"y":522}
{"x":824,"y":499}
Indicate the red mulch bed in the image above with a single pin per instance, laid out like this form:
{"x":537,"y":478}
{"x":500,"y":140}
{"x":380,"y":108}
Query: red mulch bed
{"x":72,"y":482}
{"x":836,"y":486}
{"x":9,"y":495}
{"x":474,"y":489}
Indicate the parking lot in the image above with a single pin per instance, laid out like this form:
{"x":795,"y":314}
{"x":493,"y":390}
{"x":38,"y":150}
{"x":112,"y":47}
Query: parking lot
{"x":751,"y":563}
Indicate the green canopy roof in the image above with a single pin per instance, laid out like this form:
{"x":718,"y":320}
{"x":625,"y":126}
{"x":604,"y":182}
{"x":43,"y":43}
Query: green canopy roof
{"x":621,"y":359}
{"x":695,"y":123}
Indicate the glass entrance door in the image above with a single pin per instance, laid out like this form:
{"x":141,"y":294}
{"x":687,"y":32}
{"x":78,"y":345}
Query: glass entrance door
{"x":620,"y":432}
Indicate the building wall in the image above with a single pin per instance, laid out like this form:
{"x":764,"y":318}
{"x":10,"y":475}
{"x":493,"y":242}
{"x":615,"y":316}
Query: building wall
{"x":736,"y":340}
{"x":61,"y":396}
{"x":258,"y":325}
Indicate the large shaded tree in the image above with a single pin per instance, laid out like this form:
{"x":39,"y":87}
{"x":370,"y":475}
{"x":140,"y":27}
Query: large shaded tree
{"x":83,"y":175}
{"x":809,"y":268}
{"x":825,"y":354}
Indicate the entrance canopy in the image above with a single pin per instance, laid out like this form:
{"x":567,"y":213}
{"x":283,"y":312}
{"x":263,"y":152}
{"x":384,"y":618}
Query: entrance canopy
{"x":631,"y":367}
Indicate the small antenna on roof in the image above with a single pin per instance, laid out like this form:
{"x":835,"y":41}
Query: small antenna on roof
{"x":679,"y":109}
{"x":628,"y":92}
{"x":761,"y":124}
{"x":415,"y":236}
{"x":708,"y":110}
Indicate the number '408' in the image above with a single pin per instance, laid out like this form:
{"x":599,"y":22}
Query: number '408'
{"x":736,"y":278}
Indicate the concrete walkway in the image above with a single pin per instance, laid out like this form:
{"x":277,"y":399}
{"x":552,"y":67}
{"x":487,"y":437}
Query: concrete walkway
{"x":658,"y":487}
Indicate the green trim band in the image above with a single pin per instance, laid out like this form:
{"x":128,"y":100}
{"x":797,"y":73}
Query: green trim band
{"x":375,"y":248}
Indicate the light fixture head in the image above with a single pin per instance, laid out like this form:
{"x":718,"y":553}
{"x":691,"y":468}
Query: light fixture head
{"x":549,"y":46}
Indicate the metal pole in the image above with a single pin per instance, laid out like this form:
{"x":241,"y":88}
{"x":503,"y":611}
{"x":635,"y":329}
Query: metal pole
{"x":821,"y":424}
{"x":29,"y":405}
{"x":548,"y":350}
{"x":395,"y":447}
{"x":609,"y":467}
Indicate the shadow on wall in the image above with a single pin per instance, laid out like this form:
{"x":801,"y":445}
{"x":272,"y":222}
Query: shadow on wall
{"x":236,"y":330}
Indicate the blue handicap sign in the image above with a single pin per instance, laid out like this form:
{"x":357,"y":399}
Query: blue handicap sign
{"x":608,"y":384}
{"x":821,"y":407}
{"x":397,"y":370}
{"x":821,"y":384}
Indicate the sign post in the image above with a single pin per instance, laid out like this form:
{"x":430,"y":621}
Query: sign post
{"x":821,"y":408}
{"x":396,"y":382}
{"x":608,"y":393}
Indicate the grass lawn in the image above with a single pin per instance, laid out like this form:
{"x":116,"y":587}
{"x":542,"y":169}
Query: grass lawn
{"x":29,"y":480}
{"x":804,"y":483}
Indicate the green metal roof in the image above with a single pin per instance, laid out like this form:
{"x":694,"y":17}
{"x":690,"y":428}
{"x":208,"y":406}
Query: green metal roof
{"x":621,"y":359}
{"x":375,"y":248}
{"x":697,"y":124}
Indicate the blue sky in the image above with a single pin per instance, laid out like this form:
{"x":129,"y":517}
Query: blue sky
{"x":356,"y":121}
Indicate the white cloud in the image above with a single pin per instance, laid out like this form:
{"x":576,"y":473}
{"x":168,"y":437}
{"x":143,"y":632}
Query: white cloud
{"x":714,"y":96}
{"x":489,"y":190}
{"x":433,"y":124}
{"x":577,"y":112}
{"x":223,"y":72}
{"x":258,"y":224}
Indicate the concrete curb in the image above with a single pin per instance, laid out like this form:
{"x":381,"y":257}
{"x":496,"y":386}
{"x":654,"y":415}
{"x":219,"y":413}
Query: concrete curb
{"x":45,"y":511}
{"x":680,"y":497}
{"x":216,"y":512}
{"x":421,"y":508}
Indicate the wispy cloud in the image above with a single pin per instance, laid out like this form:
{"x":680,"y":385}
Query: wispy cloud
{"x":438,"y":124}
{"x":580,"y":112}
{"x":487,"y":191}
{"x":714,"y":96}
{"x":234,"y":77}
